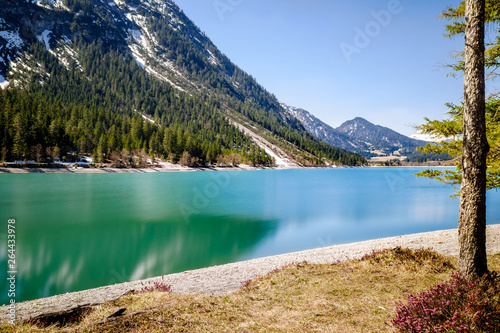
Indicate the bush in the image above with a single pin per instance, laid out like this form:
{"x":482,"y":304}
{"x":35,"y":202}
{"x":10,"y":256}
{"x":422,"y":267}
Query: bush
{"x":459,"y":305}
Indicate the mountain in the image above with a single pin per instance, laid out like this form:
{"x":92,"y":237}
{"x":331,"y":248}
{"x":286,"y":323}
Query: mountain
{"x":129,"y":78}
{"x":379,"y":138}
{"x":321,"y":130}
{"x":357,"y":135}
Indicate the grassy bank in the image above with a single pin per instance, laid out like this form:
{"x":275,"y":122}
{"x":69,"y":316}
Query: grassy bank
{"x":354,"y":296}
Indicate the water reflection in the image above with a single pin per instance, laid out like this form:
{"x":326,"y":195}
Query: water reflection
{"x":76,"y":258}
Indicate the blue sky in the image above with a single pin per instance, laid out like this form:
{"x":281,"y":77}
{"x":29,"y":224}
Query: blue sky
{"x":312,"y":55}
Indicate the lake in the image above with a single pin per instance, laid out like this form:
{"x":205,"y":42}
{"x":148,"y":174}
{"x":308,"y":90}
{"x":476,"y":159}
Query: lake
{"x":80,"y":231}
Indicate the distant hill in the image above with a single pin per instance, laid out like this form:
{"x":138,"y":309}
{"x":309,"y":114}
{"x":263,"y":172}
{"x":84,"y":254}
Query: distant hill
{"x":358,"y":135}
{"x":378,"y":138}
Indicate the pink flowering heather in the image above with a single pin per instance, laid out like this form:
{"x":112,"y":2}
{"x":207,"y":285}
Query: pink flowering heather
{"x":459,"y":305}
{"x":155,"y":286}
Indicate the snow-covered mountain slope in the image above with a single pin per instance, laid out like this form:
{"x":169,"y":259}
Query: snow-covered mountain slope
{"x":118,"y":24}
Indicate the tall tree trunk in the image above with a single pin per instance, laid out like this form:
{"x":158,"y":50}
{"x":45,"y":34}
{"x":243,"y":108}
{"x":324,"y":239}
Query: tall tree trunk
{"x":472,"y":221}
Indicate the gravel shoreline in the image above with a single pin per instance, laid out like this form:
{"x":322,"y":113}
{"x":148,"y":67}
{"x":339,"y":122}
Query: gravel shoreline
{"x":165,"y":167}
{"x":230,"y":277}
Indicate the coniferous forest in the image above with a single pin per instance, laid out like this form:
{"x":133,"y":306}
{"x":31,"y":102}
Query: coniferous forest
{"x":62,"y":114}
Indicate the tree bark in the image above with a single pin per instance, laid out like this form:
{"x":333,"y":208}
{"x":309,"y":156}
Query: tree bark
{"x":472,"y":220}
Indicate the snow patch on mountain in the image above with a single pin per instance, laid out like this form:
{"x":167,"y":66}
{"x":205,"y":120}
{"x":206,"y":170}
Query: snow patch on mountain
{"x":3,"y":82}
{"x":45,"y":4}
{"x":143,"y":36}
{"x":139,"y":37}
{"x":139,"y":59}
{"x":138,"y":43}
{"x":281,"y":159}
{"x":213,"y":59}
{"x":45,"y":39}
{"x":13,"y":39}
{"x":64,"y":52}
{"x":52,"y":4}
{"x":123,"y":4}
{"x":162,"y":77}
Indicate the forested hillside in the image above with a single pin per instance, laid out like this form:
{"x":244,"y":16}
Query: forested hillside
{"x":65,"y":112}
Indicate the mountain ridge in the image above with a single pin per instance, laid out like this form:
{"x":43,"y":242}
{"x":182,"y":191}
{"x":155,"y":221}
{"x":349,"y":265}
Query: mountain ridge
{"x":357,"y":135}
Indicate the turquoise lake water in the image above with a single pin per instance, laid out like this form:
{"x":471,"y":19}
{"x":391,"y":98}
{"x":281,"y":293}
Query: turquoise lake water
{"x":80,"y":231}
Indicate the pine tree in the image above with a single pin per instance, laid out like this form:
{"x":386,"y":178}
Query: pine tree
{"x":472,"y":220}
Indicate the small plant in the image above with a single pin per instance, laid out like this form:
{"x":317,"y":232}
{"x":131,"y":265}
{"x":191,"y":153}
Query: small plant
{"x":374,"y":254}
{"x":336,"y":262}
{"x":155,"y":286}
{"x":459,"y":305}
{"x":247,"y":283}
{"x":279,"y":269}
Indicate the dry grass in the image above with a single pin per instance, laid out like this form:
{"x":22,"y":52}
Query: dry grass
{"x":355,"y":296}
